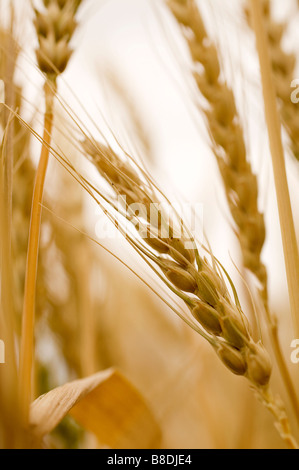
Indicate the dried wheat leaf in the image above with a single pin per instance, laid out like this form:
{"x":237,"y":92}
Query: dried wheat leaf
{"x":106,"y":404}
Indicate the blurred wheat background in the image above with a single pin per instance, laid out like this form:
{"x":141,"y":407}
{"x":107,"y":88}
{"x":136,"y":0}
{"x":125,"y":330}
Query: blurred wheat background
{"x":130,"y":78}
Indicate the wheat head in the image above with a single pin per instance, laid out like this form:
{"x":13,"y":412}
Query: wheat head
{"x":226,"y":131}
{"x":55,"y":26}
{"x":195,"y":280}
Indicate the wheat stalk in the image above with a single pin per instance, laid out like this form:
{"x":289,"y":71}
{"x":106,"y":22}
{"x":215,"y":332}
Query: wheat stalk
{"x":54,"y":27}
{"x":12,"y":434}
{"x":133,"y":119}
{"x":283,"y":68}
{"x":239,"y":180}
{"x":74,"y":319}
{"x":8,"y":63}
{"x":8,"y":58}
{"x":274,"y":130}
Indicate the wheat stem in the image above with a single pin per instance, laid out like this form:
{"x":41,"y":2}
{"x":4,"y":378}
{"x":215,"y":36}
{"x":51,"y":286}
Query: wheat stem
{"x":282,"y":192}
{"x":283,"y":69}
{"x":276,"y":408}
{"x":283,"y":369}
{"x":27,"y":338}
{"x":8,"y":166}
{"x":55,"y":26}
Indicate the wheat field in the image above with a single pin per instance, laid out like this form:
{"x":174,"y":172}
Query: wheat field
{"x":149,"y":263}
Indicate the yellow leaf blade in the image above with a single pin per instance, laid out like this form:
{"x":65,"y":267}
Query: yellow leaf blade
{"x":106,"y":404}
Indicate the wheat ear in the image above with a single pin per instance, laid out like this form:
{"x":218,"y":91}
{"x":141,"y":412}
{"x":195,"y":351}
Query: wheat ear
{"x":187,"y":271}
{"x":226,"y":132}
{"x":190,"y":276}
{"x":240,"y":182}
{"x":54,"y":26}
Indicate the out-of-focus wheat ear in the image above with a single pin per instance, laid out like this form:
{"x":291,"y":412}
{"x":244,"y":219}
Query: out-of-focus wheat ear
{"x":283,"y":68}
{"x":11,"y":434}
{"x":54,"y":26}
{"x":228,"y":141}
{"x":134,"y":122}
{"x":74,"y":321}
{"x":8,"y":58}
